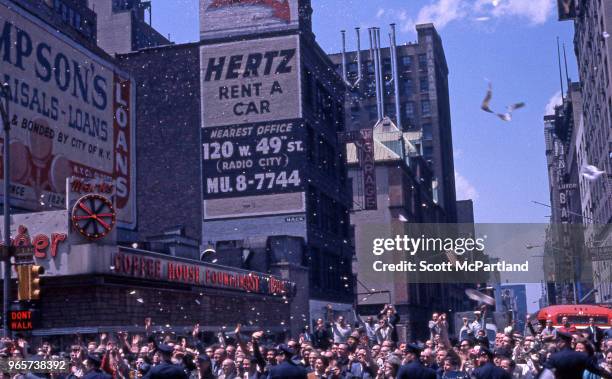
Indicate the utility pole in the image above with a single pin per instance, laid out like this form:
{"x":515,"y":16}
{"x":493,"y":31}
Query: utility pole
{"x":6,"y":121}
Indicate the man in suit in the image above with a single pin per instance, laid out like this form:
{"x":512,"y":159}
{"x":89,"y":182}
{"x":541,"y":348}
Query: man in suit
{"x":570,"y":364}
{"x":166,"y":369}
{"x":486,"y":369}
{"x":413,"y":368}
{"x":92,"y":368}
{"x":287,"y":369}
{"x":594,"y":333}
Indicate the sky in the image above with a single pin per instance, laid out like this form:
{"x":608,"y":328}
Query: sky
{"x":512,"y":43}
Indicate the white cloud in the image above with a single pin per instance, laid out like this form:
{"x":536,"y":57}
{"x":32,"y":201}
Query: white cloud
{"x":536,"y":11}
{"x":552,"y":102}
{"x":442,"y":12}
{"x":465,"y":189}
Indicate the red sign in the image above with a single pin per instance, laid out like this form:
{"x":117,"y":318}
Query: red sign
{"x":140,"y":266}
{"x":43,"y":244}
{"x":83,"y":186}
{"x":280,"y":7}
{"x":21,"y":320}
{"x":122,"y":141}
{"x":93,"y":216}
{"x":369,"y":168}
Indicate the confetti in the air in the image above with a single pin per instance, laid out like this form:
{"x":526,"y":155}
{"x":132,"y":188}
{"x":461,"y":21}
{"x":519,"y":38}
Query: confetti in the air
{"x":605,"y":35}
{"x":132,"y":292}
{"x":140,"y":300}
{"x":402,"y":218}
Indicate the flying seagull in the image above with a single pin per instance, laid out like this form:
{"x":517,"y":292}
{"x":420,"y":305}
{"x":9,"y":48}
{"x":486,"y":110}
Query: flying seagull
{"x":508,"y":115}
{"x":591,"y":172}
{"x":487,"y":100}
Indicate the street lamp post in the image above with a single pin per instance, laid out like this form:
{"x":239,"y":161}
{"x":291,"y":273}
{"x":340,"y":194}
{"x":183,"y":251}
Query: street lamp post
{"x":574,"y":286}
{"x":4,"y":109}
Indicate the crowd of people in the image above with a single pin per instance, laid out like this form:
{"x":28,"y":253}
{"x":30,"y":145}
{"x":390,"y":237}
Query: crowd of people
{"x":336,"y":349}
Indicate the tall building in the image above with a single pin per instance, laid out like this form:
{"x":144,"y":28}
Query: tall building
{"x":421,"y":101}
{"x":593,"y":48}
{"x":402,"y":198}
{"x":567,"y":262}
{"x":275,"y":185}
{"x":122,"y":26}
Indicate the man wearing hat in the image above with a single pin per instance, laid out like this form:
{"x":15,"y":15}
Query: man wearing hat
{"x":413,"y":368}
{"x":486,"y":369}
{"x":352,"y":341}
{"x":477,"y":324}
{"x":287,"y":369}
{"x":166,"y":369}
{"x":204,"y":367}
{"x":92,"y":368}
{"x":570,"y":364}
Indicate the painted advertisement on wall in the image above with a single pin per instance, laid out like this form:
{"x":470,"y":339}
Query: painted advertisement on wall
{"x":224,"y":18}
{"x":72,"y":114}
{"x":250,"y":81}
{"x":253,"y":159}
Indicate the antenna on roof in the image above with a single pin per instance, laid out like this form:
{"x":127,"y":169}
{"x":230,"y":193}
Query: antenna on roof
{"x":560,"y":74}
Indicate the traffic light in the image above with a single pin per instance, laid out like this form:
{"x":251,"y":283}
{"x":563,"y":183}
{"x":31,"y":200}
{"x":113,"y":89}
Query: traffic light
{"x":35,"y":273}
{"x":28,"y":277}
{"x":23,"y":281}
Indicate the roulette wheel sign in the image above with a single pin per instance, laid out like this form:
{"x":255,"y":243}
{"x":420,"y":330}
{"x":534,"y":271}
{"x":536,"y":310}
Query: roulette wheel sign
{"x":93,"y":216}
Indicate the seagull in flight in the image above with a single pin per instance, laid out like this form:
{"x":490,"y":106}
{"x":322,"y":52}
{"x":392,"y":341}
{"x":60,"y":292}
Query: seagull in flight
{"x":591,"y":172}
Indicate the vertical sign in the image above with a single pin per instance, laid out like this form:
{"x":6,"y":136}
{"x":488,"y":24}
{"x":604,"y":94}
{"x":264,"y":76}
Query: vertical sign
{"x":567,"y":9}
{"x":369,"y":168}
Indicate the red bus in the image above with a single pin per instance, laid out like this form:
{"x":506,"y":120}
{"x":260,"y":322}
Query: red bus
{"x":577,"y":315}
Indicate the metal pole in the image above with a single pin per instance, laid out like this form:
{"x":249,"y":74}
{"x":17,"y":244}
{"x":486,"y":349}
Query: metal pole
{"x":7,"y":211}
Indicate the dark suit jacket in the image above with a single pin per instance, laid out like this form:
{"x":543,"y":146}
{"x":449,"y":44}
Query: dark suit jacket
{"x":595,"y":336}
{"x":96,"y":374}
{"x":166,"y":370}
{"x":569,"y":364}
{"x":287,"y":370}
{"x":415,"y":370}
{"x":490,"y":371}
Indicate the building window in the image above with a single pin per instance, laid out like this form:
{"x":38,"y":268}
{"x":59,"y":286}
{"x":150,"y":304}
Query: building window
{"x":422,"y":61}
{"x":406,"y":62}
{"x":424,"y":84}
{"x":371,"y":88}
{"x":409,"y":110}
{"x":372,"y":112}
{"x":427,"y":136}
{"x":351,"y":69}
{"x":386,"y":65}
{"x":370,"y":67}
{"x":425,"y":108}
{"x":408,"y":88}
{"x":311,"y":145}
